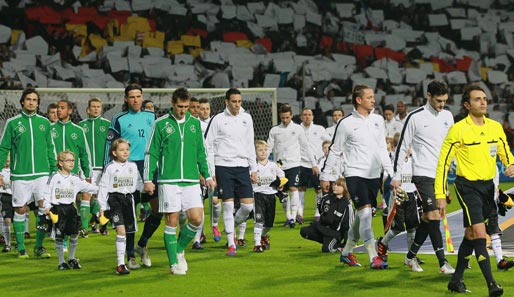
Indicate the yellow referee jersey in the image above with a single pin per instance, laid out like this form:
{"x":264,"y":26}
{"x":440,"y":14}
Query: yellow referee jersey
{"x":475,"y":149}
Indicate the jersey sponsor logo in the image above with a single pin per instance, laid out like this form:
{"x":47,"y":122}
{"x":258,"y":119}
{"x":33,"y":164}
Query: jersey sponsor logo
{"x":74,"y":136}
{"x":110,"y":135}
{"x":42,"y":128}
{"x":149,"y":122}
{"x":193,"y":129}
{"x":446,"y":124}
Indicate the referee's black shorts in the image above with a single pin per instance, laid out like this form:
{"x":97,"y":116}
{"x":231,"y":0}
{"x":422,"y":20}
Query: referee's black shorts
{"x":476,"y":199}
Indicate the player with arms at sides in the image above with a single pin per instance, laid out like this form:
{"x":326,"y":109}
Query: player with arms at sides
{"x":289,"y":144}
{"x":315,"y":135}
{"x":361,"y":138}
{"x":231,"y":156}
{"x":475,"y":142}
{"x":176,"y":149}
{"x":423,"y":133}
{"x":27,"y":137}
{"x":95,"y":128}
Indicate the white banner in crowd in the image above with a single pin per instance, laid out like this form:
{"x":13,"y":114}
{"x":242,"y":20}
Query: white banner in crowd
{"x":496,"y":77}
{"x":456,"y":78}
{"x":352,"y":33}
{"x":436,"y":20}
{"x":256,"y":7}
{"x":345,"y":10}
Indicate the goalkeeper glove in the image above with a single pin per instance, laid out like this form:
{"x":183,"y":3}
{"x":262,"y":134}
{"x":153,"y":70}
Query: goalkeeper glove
{"x":401,"y":196}
{"x":103,"y":220}
{"x":53,"y":217}
{"x":504,"y":203}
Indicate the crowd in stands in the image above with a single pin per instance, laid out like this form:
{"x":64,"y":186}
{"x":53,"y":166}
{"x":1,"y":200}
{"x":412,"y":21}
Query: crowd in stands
{"x":313,"y":51}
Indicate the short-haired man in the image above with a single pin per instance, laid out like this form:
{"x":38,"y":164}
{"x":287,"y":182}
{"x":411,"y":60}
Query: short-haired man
{"x":231,"y":155}
{"x":194,"y":106}
{"x":361,"y":138}
{"x":315,"y":135}
{"x":28,"y":138}
{"x":476,"y":142}
{"x":176,"y":147}
{"x":289,"y":144}
{"x":401,"y":112}
{"x":392,"y":125}
{"x":337,"y":114}
{"x":95,"y":128}
{"x":204,"y":115}
{"x":51,"y":112}
{"x":423,"y":133}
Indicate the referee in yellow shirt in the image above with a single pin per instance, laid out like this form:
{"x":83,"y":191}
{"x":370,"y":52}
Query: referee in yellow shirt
{"x":475,"y":142}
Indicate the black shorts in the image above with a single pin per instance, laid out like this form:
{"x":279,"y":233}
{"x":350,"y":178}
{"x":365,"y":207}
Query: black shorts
{"x":293,"y":178}
{"x":233,"y":182}
{"x":363,"y":191}
{"x":407,"y":215}
{"x":69,"y":222}
{"x":121,"y":211}
{"x":144,"y":197}
{"x":32,"y":206}
{"x":477,"y":201}
{"x":308,"y":179}
{"x":265,"y":206}
{"x":7,"y":209}
{"x":425,"y":186}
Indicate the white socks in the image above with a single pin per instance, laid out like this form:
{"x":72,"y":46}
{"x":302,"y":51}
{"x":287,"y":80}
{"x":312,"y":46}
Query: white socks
{"x":121,"y":245}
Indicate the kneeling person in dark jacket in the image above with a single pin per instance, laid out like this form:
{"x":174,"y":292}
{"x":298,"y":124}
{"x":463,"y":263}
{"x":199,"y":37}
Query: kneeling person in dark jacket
{"x":335,"y":213}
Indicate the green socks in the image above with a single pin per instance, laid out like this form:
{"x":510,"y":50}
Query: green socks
{"x":84,"y":213}
{"x":170,"y":243}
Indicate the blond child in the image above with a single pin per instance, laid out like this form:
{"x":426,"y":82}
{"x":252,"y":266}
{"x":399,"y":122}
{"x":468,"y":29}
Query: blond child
{"x":119,"y":181}
{"x":62,"y":188}
{"x":264,"y":196}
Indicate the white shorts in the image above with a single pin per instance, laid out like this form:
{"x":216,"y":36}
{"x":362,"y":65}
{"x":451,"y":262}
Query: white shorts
{"x":26,"y":191}
{"x":173,"y":198}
